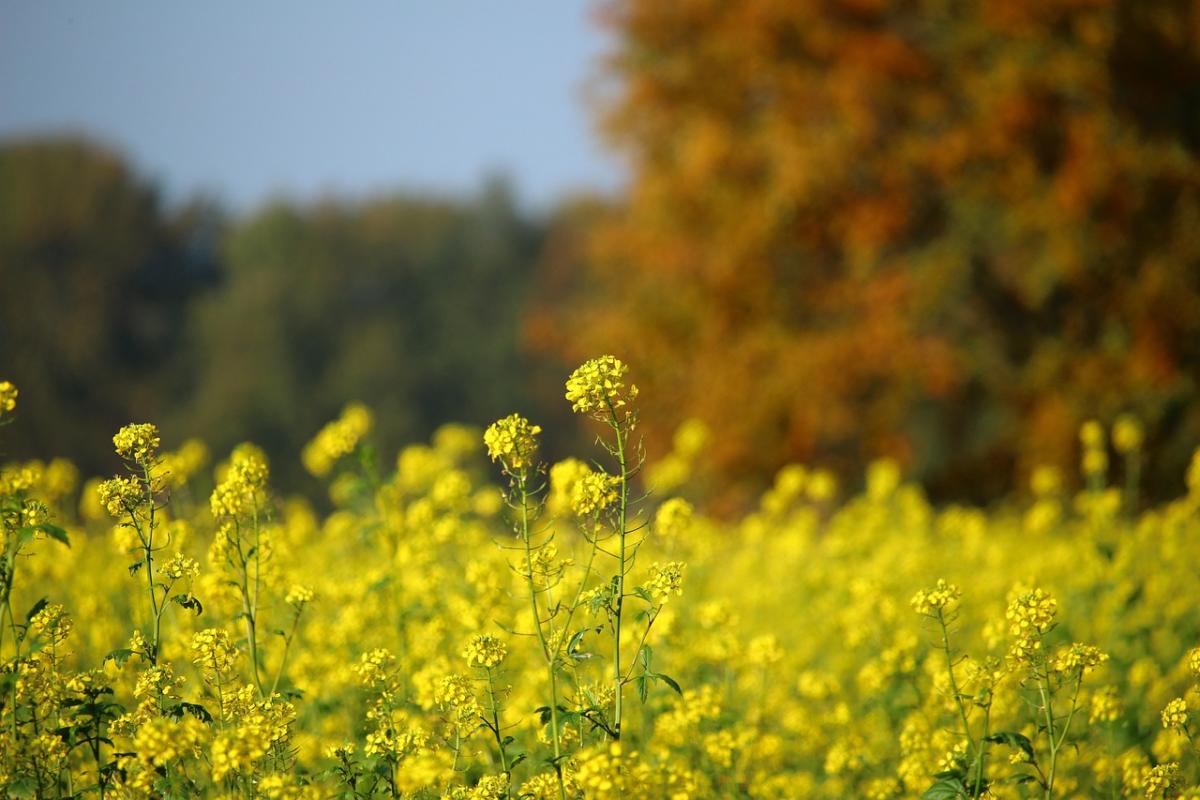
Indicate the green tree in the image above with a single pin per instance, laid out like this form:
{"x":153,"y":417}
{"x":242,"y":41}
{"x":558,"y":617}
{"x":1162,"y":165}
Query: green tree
{"x":95,"y":281}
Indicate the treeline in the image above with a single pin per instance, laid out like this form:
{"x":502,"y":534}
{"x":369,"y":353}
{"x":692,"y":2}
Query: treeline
{"x":115,"y":307}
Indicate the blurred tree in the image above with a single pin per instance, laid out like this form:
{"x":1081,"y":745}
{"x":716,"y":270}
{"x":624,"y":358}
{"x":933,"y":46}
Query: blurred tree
{"x":944,"y":231}
{"x":408,"y":304}
{"x":95,"y":278}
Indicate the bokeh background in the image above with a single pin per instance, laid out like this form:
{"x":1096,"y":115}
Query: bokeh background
{"x":832,"y":230}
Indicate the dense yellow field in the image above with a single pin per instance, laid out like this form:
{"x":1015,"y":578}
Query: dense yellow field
{"x":470,"y":628}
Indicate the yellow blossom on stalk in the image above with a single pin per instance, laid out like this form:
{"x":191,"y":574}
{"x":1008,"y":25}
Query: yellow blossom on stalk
{"x":1160,"y":781}
{"x":8,"y":398}
{"x":52,"y":623}
{"x":1105,"y":707}
{"x":1030,"y":614}
{"x":337,"y":439}
{"x":1081,"y":658}
{"x":594,"y":492}
{"x":373,"y":667}
{"x":161,"y":741}
{"x":240,"y":492}
{"x":1175,"y":715}
{"x":673,"y":518}
{"x":119,"y":495}
{"x":298,"y":595}
{"x":1127,"y":434}
{"x":178,"y":467}
{"x":764,"y":650}
{"x":1046,"y":481}
{"x":484,"y":651}
{"x":666,"y":580}
{"x":156,"y":681}
{"x":137,"y":442}
{"x":511,"y":441}
{"x":214,"y":653}
{"x":180,"y":567}
{"x":597,"y":387}
{"x":940,"y":598}
{"x":1091,"y":435}
{"x":16,"y":478}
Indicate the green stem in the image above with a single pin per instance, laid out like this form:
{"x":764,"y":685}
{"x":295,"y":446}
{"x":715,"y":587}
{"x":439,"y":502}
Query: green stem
{"x":972,"y":750}
{"x":1047,"y":698}
{"x":549,"y":657}
{"x":618,"y":682}
{"x":495,"y":726}
{"x":287,"y":644}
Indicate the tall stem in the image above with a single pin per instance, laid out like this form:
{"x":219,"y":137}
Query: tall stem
{"x":1046,"y":695}
{"x":618,"y":681}
{"x":549,"y":656}
{"x":972,"y":751}
{"x":495,"y":709}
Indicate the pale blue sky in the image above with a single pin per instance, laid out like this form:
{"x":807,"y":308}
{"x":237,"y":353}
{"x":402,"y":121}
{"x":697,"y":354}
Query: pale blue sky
{"x":245,"y":100}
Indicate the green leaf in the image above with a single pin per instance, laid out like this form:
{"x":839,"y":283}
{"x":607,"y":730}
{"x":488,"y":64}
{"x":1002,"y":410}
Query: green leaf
{"x":946,"y":789}
{"x":196,"y":710}
{"x":644,"y":594}
{"x":669,"y":681}
{"x":1014,"y":740}
{"x":38,"y":606}
{"x":645,"y":654}
{"x":55,"y":532}
{"x":120,"y":656}
{"x":642,"y":689}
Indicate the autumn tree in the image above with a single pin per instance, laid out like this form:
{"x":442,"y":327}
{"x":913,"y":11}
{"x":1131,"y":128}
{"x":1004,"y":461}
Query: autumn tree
{"x":943,"y":231}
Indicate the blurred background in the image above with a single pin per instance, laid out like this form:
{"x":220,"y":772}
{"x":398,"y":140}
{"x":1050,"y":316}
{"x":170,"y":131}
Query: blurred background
{"x":831,"y":230}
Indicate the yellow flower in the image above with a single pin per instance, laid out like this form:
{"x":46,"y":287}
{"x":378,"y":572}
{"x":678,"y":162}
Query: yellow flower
{"x":666,"y":580}
{"x":939,"y":598}
{"x":1175,"y":715}
{"x":484,"y":651}
{"x":119,"y":495}
{"x":1080,"y":657}
{"x":137,"y":442}
{"x":511,"y":441}
{"x":8,"y":397}
{"x":1127,"y":434}
{"x":597,"y":387}
{"x":337,"y":439}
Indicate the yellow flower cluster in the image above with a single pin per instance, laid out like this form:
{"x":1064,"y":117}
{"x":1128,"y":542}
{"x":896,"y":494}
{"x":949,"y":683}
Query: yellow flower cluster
{"x":8,"y":398}
{"x":240,"y":493}
{"x":1127,"y":434}
{"x":214,"y":653}
{"x":119,"y":495}
{"x":800,"y":668}
{"x":1175,"y":715}
{"x":137,"y":442}
{"x":665,"y":580}
{"x":939,"y":599}
{"x":1080,"y":658}
{"x":484,"y":651}
{"x":180,"y":466}
{"x":597,"y":387}
{"x":181,"y":567}
{"x":512,"y":442}
{"x":1030,"y":614}
{"x":337,"y":439}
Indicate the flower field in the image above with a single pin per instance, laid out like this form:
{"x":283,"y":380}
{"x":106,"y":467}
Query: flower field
{"x":470,"y":622}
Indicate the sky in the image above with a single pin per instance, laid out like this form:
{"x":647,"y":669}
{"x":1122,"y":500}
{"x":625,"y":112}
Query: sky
{"x":246,"y":101}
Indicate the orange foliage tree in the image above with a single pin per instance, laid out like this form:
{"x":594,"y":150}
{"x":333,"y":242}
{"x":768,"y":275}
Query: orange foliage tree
{"x":942,"y":231}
